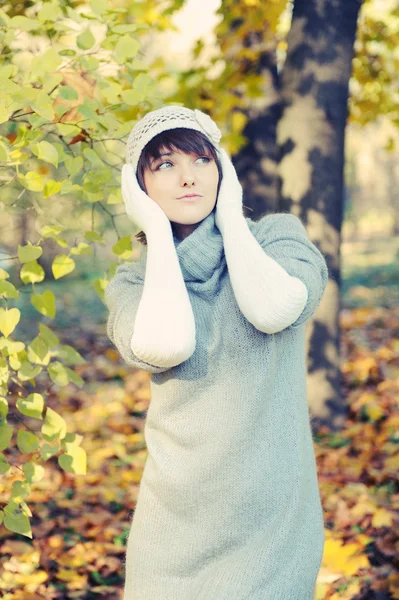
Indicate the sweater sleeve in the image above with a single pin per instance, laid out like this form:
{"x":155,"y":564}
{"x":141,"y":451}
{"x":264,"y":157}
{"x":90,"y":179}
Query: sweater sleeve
{"x":122,"y":297}
{"x":285,"y":239}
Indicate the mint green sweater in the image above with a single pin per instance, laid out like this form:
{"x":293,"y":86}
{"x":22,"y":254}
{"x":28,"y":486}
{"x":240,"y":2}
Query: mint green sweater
{"x":229,"y":506}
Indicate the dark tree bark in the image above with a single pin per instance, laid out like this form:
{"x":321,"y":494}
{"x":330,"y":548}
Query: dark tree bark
{"x":294,"y":162}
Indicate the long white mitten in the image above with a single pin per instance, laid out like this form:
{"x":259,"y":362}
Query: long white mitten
{"x":162,"y":326}
{"x":269,"y":297}
{"x":140,"y":208}
{"x":229,"y":201}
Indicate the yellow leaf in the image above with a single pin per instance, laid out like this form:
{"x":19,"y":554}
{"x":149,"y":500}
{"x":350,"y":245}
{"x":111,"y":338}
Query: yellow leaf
{"x":374,"y":411}
{"x":62,"y":265}
{"x":9,"y":319}
{"x":382,"y":518}
{"x":345,"y":559}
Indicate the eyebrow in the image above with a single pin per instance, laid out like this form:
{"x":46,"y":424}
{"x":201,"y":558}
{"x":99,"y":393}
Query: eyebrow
{"x":160,"y":156}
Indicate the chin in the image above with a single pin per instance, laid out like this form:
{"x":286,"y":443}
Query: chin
{"x":191,"y":219}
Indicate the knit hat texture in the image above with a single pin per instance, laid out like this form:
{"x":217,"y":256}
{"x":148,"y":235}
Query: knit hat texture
{"x":168,"y":117}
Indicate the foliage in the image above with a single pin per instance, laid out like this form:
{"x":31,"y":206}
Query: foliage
{"x":74,"y":80}
{"x":233,"y":80}
{"x":237,"y":77}
{"x":82,"y":522}
{"x":73,"y":83}
{"x":373,"y":90}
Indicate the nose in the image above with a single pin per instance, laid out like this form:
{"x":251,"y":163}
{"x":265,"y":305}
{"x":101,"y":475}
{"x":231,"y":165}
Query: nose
{"x":187,"y":176}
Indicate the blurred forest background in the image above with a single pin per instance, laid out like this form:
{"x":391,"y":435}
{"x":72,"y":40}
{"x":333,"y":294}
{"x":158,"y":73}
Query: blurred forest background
{"x":78,"y":73}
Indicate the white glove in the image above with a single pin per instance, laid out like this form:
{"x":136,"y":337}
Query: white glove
{"x":140,"y":208}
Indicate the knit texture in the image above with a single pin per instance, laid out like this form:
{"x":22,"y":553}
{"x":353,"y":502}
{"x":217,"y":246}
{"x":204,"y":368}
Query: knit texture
{"x":166,"y":118}
{"x":229,"y":506}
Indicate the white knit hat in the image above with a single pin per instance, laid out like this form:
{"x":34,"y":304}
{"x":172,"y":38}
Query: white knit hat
{"x":168,"y":117}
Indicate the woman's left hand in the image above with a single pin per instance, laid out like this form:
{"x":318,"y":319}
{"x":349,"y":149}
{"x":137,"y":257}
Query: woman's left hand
{"x":230,"y":193}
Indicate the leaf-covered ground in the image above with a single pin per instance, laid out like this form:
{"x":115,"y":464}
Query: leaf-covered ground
{"x":80,"y":523}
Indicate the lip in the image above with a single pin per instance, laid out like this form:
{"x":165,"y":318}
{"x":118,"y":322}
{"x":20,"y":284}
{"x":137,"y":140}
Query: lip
{"x":189,"y":197}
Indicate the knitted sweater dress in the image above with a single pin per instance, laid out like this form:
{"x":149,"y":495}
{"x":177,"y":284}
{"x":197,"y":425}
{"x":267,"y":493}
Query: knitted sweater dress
{"x":229,"y":505}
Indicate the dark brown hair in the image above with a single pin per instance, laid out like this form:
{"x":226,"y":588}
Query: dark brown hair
{"x":183,"y":139}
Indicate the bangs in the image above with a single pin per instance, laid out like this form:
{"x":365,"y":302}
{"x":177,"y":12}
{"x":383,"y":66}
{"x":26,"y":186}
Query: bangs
{"x":182,"y":139}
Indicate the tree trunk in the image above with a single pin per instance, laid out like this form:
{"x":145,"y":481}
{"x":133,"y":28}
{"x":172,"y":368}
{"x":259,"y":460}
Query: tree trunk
{"x":302,"y":130}
{"x":311,"y":135}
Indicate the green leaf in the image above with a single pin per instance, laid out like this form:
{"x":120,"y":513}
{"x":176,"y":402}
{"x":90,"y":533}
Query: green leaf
{"x":33,"y":472}
{"x":52,"y":80}
{"x":132,"y":97}
{"x":44,"y":303}
{"x":70,"y":356}
{"x":6,"y":432}
{"x":32,"y":181}
{"x":50,"y":338}
{"x":4,"y":374}
{"x":74,"y":165}
{"x":67,"y":52}
{"x":46,"y":152}
{"x":49,"y":11}
{"x":43,"y":105}
{"x":51,"y":231}
{"x":75,"y":378}
{"x":89,"y":63}
{"x":28,"y":371}
{"x":74,"y":461}
{"x":115,"y":197}
{"x":91,"y":236}
{"x":36,"y":121}
{"x":29,"y":252}
{"x":8,"y":290}
{"x":31,"y":406}
{"x":47,"y":451}
{"x":20,"y":490}
{"x":57,"y":373}
{"x":5,"y":112}
{"x":4,"y":18}
{"x":126,"y":47}
{"x":38,"y":351}
{"x":142,"y":86}
{"x":3,"y":407}
{"x":3,"y":152}
{"x":68,"y":93}
{"x":99,"y":7}
{"x":62,"y":265}
{"x":4,"y":465}
{"x":123,"y":247}
{"x":65,"y":129}
{"x":54,"y":426}
{"x":124,"y":28}
{"x":82,"y":248}
{"x":11,"y":346}
{"x":32,"y":272}
{"x":142,"y":83}
{"x":88,"y":109}
{"x":16,"y":520}
{"x":46,"y":63}
{"x":93,"y":157}
{"x":27,"y":442}
{"x":67,"y":187}
{"x":85,"y":40}
{"x":52,"y":187}
{"x":23,"y":23}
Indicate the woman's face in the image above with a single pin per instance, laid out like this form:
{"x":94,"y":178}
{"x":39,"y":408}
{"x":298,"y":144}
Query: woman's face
{"x":175,"y":175}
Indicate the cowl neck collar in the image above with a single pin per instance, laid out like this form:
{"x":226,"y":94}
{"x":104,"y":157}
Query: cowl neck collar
{"x":201,"y":253}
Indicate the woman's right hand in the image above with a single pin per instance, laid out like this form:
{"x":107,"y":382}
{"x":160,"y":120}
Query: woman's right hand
{"x":140,"y":208}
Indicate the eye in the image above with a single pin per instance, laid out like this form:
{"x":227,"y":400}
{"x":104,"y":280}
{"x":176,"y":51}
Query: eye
{"x":206,"y":158}
{"x":167,"y":162}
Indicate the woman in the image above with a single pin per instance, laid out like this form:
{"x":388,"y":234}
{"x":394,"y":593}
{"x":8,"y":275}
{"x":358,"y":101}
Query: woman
{"x":229,"y":505}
